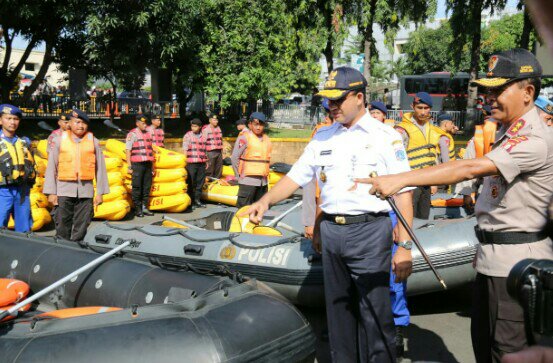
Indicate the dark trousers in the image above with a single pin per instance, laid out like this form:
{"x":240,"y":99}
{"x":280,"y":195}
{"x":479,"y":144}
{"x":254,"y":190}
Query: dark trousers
{"x":497,"y":322}
{"x":141,"y":183}
{"x":356,"y":266}
{"x":248,"y":194}
{"x":195,"y":179}
{"x":421,"y":202}
{"x":214,"y":164}
{"x":73,"y":216}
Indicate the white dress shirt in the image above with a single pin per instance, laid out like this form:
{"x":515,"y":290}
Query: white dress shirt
{"x":342,"y":154}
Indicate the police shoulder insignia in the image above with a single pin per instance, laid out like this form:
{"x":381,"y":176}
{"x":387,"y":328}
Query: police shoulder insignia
{"x":399,"y":151}
{"x":516,"y":127}
{"x":512,"y":142}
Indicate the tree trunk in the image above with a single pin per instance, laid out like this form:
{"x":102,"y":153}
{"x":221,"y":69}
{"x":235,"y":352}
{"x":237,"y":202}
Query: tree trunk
{"x":329,"y":54}
{"x":476,"y":15}
{"x":41,"y":72}
{"x":526,"y":30}
{"x":23,"y":59}
{"x":5,"y":83}
{"x":368,"y":43}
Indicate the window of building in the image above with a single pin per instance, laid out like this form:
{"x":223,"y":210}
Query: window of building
{"x":30,"y":67}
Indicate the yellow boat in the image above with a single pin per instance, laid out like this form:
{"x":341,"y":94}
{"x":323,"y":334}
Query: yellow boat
{"x":228,"y":171}
{"x":275,"y":177}
{"x":113,"y":164}
{"x":38,"y":200}
{"x":41,"y":165}
{"x":112,"y":211}
{"x":219,"y":191}
{"x":114,"y":178}
{"x":39,"y":183}
{"x":169,"y":175}
{"x":42,"y":149}
{"x":167,"y":159}
{"x":161,"y":189}
{"x":41,"y":217}
{"x":109,"y":154}
{"x":116,"y":192}
{"x":170,"y":224}
{"x":173,"y":203}
{"x":116,"y":147}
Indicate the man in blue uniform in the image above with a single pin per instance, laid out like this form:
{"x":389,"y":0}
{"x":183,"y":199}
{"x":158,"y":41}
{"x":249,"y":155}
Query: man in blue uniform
{"x":353,"y":226}
{"x":17,"y":173}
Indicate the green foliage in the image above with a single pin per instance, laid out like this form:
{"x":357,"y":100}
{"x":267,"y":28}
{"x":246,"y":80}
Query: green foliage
{"x":256,"y":49}
{"x":431,"y":50}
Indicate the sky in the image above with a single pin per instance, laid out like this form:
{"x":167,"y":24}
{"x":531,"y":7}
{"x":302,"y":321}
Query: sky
{"x":22,"y":43}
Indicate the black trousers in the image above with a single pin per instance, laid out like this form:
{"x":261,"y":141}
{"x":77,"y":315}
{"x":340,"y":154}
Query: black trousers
{"x":356,"y":266}
{"x":141,"y":183}
{"x":214,"y":164}
{"x":248,"y":194}
{"x":73,"y":216}
{"x":195,"y":180}
{"x":421,"y":202}
{"x":497,"y":321}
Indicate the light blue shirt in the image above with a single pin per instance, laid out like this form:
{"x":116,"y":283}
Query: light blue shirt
{"x":343,"y":154}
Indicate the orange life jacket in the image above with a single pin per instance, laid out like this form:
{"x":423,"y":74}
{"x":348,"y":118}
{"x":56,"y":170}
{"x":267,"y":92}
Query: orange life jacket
{"x":327,"y":122}
{"x":390,"y":122}
{"x":257,"y":156}
{"x":484,"y":137}
{"x":77,"y":160}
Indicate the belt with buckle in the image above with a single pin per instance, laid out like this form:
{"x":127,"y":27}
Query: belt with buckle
{"x":508,"y":238}
{"x":351,"y":219}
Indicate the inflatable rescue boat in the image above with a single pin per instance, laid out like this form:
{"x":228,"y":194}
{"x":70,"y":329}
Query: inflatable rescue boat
{"x":129,"y":311}
{"x":281,"y":257}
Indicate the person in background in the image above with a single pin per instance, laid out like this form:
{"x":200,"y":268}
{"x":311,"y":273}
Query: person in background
{"x":156,"y":132}
{"x":193,"y":145}
{"x":214,"y":147}
{"x":63,"y":124}
{"x":420,"y":139}
{"x":241,"y":126}
{"x":140,"y":154}
{"x":446,"y":143}
{"x":545,"y":108}
{"x":251,"y":157}
{"x":17,"y":171}
{"x":379,"y":111}
{"x":74,"y":161}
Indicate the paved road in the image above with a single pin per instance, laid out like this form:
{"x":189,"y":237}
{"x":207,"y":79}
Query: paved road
{"x":440,"y":323}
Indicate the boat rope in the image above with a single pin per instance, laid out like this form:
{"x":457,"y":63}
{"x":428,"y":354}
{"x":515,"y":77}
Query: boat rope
{"x":279,"y":242}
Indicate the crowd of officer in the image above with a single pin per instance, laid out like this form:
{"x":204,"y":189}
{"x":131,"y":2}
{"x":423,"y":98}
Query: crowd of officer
{"x":355,"y":159}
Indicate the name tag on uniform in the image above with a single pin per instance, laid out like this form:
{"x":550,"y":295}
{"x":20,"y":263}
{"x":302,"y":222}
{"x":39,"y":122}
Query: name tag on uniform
{"x":326,"y":152}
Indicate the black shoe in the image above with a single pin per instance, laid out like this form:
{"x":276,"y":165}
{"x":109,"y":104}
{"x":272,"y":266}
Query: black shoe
{"x":147,"y":212}
{"x":400,"y":346}
{"x":198,"y":203}
{"x":139,"y":214}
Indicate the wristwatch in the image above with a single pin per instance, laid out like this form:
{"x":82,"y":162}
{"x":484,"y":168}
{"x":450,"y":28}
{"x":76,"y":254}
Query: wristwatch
{"x":405,"y":244}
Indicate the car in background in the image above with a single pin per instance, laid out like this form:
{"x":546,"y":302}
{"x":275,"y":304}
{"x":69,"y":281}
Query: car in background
{"x":136,"y":101}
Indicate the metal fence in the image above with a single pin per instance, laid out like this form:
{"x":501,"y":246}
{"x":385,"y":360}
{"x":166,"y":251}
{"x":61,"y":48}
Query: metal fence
{"x":52,"y":106}
{"x":458,"y":117}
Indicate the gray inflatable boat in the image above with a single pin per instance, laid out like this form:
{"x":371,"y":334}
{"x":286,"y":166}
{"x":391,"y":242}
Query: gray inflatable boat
{"x":166,"y":316}
{"x":288,"y":263}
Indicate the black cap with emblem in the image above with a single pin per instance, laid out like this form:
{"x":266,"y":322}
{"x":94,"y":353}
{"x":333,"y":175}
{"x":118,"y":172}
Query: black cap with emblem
{"x":509,"y":66}
{"x":342,"y":80}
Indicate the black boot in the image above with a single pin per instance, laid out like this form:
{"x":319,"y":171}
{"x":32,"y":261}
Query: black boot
{"x":138,"y":212}
{"x":400,"y":347}
{"x":146,"y":211}
{"x":198,"y":203}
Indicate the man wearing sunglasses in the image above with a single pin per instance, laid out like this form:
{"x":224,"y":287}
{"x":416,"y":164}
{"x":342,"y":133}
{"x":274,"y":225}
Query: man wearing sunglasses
{"x":353,"y":229}
{"x":512,"y":208}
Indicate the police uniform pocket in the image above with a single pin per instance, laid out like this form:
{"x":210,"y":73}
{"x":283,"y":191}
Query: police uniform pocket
{"x":364,"y":165}
{"x":509,"y":334}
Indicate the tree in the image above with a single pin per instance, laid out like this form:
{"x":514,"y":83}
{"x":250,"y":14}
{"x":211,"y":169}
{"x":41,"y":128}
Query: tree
{"x":466,"y":23}
{"x":29,"y":20}
{"x":254,"y":49}
{"x":388,"y":15}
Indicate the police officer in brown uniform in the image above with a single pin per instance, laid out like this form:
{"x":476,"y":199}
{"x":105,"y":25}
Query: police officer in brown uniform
{"x":512,"y":208}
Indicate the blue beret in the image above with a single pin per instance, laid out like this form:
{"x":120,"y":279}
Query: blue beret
{"x":241,"y":121}
{"x":258,"y":116}
{"x":11,"y":110}
{"x":79,"y":114}
{"x":325,"y":104}
{"x":444,"y":116}
{"x":379,"y":106}
{"x":545,"y":105}
{"x":141,"y":117}
{"x":423,"y":97}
